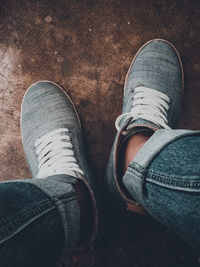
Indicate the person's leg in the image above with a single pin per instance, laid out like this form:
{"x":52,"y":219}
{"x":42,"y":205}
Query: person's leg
{"x":132,"y":146}
{"x":142,"y":175}
{"x":171,"y":187}
{"x":61,"y":191}
{"x":31,"y":227}
{"x":152,"y":101}
{"x":31,"y":230}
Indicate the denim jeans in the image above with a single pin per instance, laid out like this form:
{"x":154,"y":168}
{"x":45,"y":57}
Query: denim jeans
{"x":39,"y":220}
{"x":39,"y":217}
{"x":165,"y":179}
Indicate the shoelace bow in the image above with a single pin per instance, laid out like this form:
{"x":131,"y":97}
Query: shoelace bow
{"x":148,"y":104}
{"x":55,"y":154}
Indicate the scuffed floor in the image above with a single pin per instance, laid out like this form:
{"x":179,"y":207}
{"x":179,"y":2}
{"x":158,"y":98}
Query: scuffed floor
{"x":86,"y":47}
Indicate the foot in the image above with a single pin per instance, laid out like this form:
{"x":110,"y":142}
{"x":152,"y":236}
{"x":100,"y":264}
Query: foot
{"x":152,"y":100}
{"x":52,"y":137}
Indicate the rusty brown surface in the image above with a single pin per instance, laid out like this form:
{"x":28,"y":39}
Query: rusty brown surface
{"x":86,"y":47}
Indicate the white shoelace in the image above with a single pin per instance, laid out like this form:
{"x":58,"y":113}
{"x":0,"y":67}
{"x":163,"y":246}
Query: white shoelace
{"x":148,"y":104}
{"x":55,"y":154}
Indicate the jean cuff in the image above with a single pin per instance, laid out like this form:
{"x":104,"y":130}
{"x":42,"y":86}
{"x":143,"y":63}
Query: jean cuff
{"x":60,"y":189}
{"x":135,"y":176}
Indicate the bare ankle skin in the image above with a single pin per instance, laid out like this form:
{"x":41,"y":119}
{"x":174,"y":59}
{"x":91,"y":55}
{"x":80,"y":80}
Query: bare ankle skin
{"x":133,"y":145}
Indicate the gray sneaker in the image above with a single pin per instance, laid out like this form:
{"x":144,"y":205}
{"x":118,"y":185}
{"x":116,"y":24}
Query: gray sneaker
{"x":152,"y":100}
{"x":52,"y":137}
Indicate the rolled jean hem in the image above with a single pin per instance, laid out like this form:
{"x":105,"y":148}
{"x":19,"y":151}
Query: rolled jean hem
{"x":60,"y":189}
{"x":135,"y":176}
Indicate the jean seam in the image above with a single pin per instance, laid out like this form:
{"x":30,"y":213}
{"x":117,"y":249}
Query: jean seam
{"x":39,"y":208}
{"x":137,"y":167}
{"x":137,"y":172}
{"x":35,"y":211}
{"x":59,"y":202}
{"x":177,"y":177}
{"x":171,"y":180}
{"x":3,"y":239}
{"x":68,"y":196}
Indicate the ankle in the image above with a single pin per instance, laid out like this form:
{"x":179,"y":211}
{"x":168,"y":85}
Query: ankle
{"x":132,"y":147}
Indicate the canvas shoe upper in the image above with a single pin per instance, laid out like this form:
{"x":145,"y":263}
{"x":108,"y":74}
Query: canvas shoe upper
{"x":152,"y":100}
{"x":52,"y":137}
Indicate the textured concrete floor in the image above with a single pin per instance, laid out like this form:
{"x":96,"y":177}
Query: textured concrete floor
{"x":86,"y":47}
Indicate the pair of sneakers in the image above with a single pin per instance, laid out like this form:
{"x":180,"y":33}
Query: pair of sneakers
{"x":51,"y":129}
